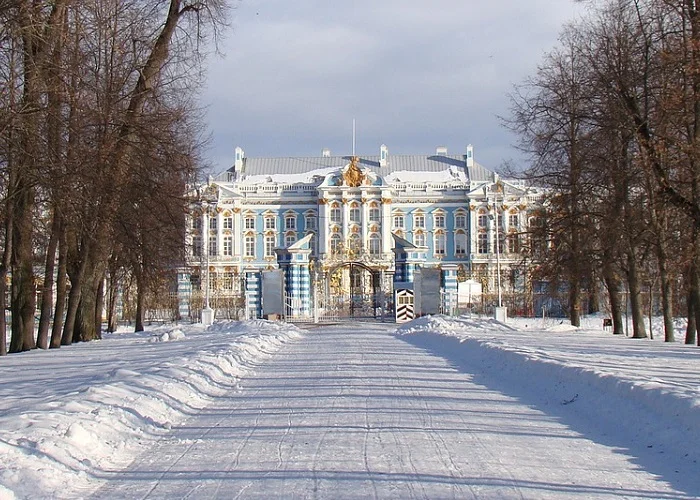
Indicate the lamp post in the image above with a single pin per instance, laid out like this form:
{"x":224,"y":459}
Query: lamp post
{"x":501,"y":313}
{"x":207,"y":311}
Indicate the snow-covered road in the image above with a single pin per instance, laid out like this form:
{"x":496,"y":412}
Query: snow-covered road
{"x":354,"y":412}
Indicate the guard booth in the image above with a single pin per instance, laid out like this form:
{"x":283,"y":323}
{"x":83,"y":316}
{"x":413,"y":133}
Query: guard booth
{"x":273,"y":294}
{"x":404,"y":305}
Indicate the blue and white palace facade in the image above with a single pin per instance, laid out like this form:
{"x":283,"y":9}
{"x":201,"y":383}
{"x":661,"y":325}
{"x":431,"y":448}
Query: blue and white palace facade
{"x":346,"y":233}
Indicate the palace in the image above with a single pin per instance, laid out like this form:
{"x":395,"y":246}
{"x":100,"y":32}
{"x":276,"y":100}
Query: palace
{"x":352,"y":235}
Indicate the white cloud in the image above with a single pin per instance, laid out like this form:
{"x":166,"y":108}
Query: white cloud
{"x":414,"y":74}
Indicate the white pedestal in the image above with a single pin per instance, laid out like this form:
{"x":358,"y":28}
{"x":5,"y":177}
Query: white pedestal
{"x":207,"y":316}
{"x":501,"y":314}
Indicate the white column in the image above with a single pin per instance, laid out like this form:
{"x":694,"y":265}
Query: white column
{"x":323,"y":227}
{"x":364,"y":217}
{"x":386,"y":226}
{"x":237,"y":232}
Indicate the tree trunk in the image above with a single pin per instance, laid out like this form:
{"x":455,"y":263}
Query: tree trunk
{"x":613,"y":286}
{"x":85,"y":328}
{"x":99,"y":306}
{"x":76,"y":281}
{"x":42,"y":340}
{"x":61,"y":288}
{"x":140,"y":299}
{"x":691,"y":328}
{"x":112,"y":303}
{"x":639,"y":330}
{"x":575,"y":302}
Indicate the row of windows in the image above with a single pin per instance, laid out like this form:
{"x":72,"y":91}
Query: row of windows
{"x":512,"y":241}
{"x":509,"y":243}
{"x":336,"y":216}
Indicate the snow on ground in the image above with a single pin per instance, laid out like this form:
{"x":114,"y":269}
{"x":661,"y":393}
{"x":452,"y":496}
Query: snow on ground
{"x":634,"y":394}
{"x":66,"y":414}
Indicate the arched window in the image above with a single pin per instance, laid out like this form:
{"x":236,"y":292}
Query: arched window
{"x":270,"y":245}
{"x":374,"y":212}
{"x":335,"y":244}
{"x":289,"y":239}
{"x":354,"y":243}
{"x":440,"y":244}
{"x":460,"y":243}
{"x":336,"y":214}
{"x":513,"y":243}
{"x":482,"y":243}
{"x":249,"y":250}
{"x":419,"y":239}
{"x":375,"y":244}
{"x":355,"y":215}
{"x":483,"y":219}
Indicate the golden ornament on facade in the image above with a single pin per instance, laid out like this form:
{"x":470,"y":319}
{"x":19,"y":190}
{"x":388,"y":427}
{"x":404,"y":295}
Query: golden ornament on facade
{"x":386,"y":201}
{"x":353,"y":176}
{"x":322,"y":201}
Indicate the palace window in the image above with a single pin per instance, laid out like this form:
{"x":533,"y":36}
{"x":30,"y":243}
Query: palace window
{"x":290,"y":239}
{"x":227,"y":281}
{"x":482,"y":243}
{"x":197,"y":246}
{"x":419,"y":239}
{"x":228,"y":222}
{"x":513,"y":221}
{"x":197,"y":223}
{"x":398,"y":221}
{"x":335,"y":244}
{"x":212,"y":223}
{"x":419,"y":221}
{"x":439,"y":244}
{"x":374,"y":214}
{"x":460,"y":221}
{"x":269,"y":245}
{"x":483,"y":220}
{"x":270,"y":222}
{"x":460,"y":243}
{"x":513,"y":243}
{"x":249,"y":250}
{"x":213,"y":247}
{"x":375,"y":244}
{"x":228,"y":245}
{"x":354,"y":243}
{"x":250,"y":223}
{"x":310,"y":222}
{"x":355,"y":215}
{"x":336,"y":215}
{"x":290,"y":223}
{"x":439,"y":220}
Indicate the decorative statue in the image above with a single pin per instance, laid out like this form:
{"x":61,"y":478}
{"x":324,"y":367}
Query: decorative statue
{"x":353,"y":176}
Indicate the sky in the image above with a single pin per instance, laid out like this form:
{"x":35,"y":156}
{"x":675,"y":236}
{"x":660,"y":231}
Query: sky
{"x":414,"y":75}
{"x":532,"y":408}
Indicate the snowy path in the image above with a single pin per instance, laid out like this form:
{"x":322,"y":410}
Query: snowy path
{"x":353,"y":412}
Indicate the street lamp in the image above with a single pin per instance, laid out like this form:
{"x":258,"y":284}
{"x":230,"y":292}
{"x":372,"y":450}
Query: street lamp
{"x":501,"y":312}
{"x":207,"y":312}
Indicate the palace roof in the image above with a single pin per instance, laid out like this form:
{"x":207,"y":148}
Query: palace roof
{"x":404,"y":168}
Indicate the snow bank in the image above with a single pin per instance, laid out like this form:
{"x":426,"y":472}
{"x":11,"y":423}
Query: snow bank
{"x":647,"y":384}
{"x":54,"y":446}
